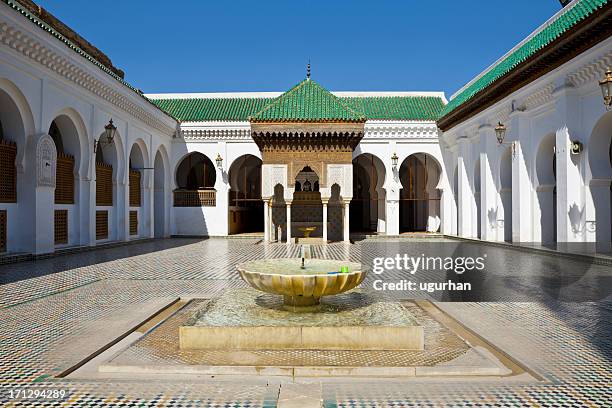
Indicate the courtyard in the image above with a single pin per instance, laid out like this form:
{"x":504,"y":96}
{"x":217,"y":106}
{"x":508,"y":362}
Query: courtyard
{"x":60,"y":311}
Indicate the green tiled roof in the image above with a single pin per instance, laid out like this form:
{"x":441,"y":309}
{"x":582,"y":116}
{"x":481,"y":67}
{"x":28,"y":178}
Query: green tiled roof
{"x":307,"y":102}
{"x":212,"y":109}
{"x":421,"y":108}
{"x":573,"y":14}
{"x":418,"y":108}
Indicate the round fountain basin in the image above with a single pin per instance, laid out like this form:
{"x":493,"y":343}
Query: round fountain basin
{"x":301,"y":288}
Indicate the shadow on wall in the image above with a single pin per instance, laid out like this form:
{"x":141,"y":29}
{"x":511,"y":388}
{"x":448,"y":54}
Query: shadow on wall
{"x":577,"y":218}
{"x":492,"y":218}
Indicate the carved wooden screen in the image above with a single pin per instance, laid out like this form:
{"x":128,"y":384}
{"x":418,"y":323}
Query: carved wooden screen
{"x":3,"y":228}
{"x":135,"y":193}
{"x":61,"y":227}
{"x":195,"y":198}
{"x":133,"y":222}
{"x":8,"y":172}
{"x":104,"y":184}
{"x":101,"y":224}
{"x":64,"y":188}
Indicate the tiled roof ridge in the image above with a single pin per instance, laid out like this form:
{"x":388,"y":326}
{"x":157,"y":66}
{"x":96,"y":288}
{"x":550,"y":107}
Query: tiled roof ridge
{"x":355,"y":116}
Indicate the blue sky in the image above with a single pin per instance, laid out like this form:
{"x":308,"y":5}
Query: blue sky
{"x":223,"y":46}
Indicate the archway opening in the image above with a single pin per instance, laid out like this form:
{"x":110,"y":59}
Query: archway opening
{"x":137,"y":165}
{"x":419,"y":197}
{"x":547,"y":190}
{"x":246,"y":212}
{"x":600,"y":162}
{"x":279,"y":214}
{"x":196,"y":172}
{"x":159,"y":196}
{"x":367,"y":208}
{"x":505,"y":176}
{"x":12,"y":137}
{"x":67,"y":144}
{"x":307,"y":207}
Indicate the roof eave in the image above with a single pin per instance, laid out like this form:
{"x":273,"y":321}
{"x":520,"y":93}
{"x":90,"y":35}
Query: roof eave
{"x":578,"y":39}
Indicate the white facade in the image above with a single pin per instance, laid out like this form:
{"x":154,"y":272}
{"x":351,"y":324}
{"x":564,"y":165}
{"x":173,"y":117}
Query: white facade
{"x":532,"y":188}
{"x":482,"y":189}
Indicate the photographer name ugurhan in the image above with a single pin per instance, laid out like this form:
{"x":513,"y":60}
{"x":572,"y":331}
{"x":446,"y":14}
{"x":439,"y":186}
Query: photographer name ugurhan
{"x":423,"y":286}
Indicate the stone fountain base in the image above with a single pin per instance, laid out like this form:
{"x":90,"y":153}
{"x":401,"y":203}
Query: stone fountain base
{"x":249,"y":320}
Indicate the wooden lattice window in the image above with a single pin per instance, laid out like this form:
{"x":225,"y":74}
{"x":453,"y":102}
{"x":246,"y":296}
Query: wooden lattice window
{"x":104,"y":184}
{"x":195,"y":198}
{"x":133,"y":222}
{"x":8,"y":172}
{"x":135,"y":193}
{"x":3,"y":227}
{"x":101,"y":224}
{"x":64,"y":188}
{"x":61,"y":227}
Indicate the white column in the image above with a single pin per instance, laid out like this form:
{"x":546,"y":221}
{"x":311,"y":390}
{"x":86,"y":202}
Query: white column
{"x":488,"y":192}
{"x":267,"y":234}
{"x":570,"y":186}
{"x":345,"y":213}
{"x":522,"y":191}
{"x":465,"y":196}
{"x":324,"y":220}
{"x":288,"y":222}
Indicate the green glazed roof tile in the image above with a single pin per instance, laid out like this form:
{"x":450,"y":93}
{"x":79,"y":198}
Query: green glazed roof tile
{"x":307,"y":102}
{"x":417,"y":108}
{"x":573,"y":14}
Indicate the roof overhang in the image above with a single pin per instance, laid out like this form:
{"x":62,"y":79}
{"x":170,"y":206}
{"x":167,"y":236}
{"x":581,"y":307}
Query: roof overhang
{"x":584,"y":35}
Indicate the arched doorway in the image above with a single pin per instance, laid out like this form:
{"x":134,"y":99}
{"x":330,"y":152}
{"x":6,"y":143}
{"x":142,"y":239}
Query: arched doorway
{"x":307,"y":206}
{"x":66,"y":138}
{"x":367,"y":208}
{"x":547,"y":190}
{"x":137,"y":199}
{"x":108,"y":175}
{"x":419,"y":197}
{"x":159,"y":195}
{"x":505,"y":192}
{"x":599,"y":150}
{"x":14,"y":234}
{"x":246,"y":212}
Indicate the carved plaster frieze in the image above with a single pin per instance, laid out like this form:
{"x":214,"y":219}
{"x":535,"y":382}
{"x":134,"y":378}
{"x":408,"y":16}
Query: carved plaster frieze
{"x":399,"y":131}
{"x":216,"y":134}
{"x":25,"y":44}
{"x":592,"y":71}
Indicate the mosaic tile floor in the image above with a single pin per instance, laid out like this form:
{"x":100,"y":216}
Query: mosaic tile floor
{"x":48,"y":307}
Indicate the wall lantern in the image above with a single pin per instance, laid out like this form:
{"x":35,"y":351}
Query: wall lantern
{"x":500,"y":132}
{"x":394,"y":160}
{"x":110,"y":130}
{"x":219,"y":161}
{"x":606,"y":89}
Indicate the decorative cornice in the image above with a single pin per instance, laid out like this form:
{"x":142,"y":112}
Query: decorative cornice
{"x":216,"y":134}
{"x":539,"y":97}
{"x":30,"y":47}
{"x":400,"y":131}
{"x":592,"y":71}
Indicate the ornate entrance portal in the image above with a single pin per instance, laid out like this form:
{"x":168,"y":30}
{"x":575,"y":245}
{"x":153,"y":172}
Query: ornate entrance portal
{"x":306,"y":137}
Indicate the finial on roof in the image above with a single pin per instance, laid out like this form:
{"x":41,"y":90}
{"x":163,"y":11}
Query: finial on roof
{"x":308,"y":70}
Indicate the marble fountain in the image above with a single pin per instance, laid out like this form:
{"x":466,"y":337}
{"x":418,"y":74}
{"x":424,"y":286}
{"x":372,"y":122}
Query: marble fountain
{"x":303,"y":306}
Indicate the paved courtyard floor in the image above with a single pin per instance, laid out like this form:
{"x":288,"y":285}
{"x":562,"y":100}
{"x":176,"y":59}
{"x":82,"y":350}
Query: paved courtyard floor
{"x":57,"y":311}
